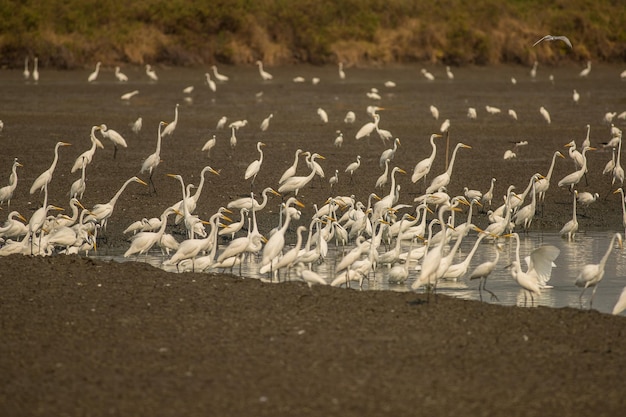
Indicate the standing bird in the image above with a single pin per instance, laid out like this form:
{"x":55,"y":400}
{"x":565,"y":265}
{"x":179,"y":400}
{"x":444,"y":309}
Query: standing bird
{"x":86,"y":157}
{"x":142,"y":242}
{"x":575,"y":96}
{"x":78,"y":187}
{"x":571,"y":227}
{"x":36,"y":70}
{"x":434,"y":112}
{"x":533,"y":70}
{"x":265,"y":76}
{"x":137,"y":125}
{"x":295,"y":183}
{"x":6,"y":192}
{"x":94,"y":75}
{"x":208,"y":145}
{"x":338,"y":140}
{"x":483,"y":271}
{"x":334,"y":179}
{"x":26,"y":71}
{"x":210,"y":82}
{"x":322,"y":114}
{"x":591,"y":274}
{"x":113,"y":136}
{"x":618,"y":171}
{"x":422,"y":168}
{"x":574,"y":178}
{"x":388,"y":154}
{"x":620,"y":305}
{"x":221,"y":123}
{"x":255,"y":166}
{"x":102,"y":212}
{"x":121,"y":77}
{"x":342,"y":74}
{"x":543,"y":184}
{"x":44,"y":179}
{"x":487,"y":197}
{"x":449,"y":73}
{"x":291,"y":171}
{"x":170,"y":127}
{"x":442,"y":180}
{"x":555,"y":38}
{"x":545,"y":114}
{"x":150,"y":73}
{"x":585,"y":72}
{"x":539,"y":268}
{"x":350,"y":118}
{"x":219,"y":77}
{"x":353,"y":167}
{"x":266,"y":122}
{"x":152,"y":161}
{"x":368,"y":128}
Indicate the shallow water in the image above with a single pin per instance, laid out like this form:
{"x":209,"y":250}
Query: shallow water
{"x":588,"y":248}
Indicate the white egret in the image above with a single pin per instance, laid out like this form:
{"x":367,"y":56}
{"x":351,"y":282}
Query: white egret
{"x":353,"y":167}
{"x":575,"y":96}
{"x":471,"y":113}
{"x":265,"y":76}
{"x":388,"y":154}
{"x":266,"y":122}
{"x":322,"y":114}
{"x":585,"y":72}
{"x":525,"y":215}
{"x":221,"y":123}
{"x":26,"y":71}
{"x":287,"y":259}
{"x":102,"y":212}
{"x":250,"y":203}
{"x":44,"y":179}
{"x":152,"y":161}
{"x":618,"y":170}
{"x":545,"y":114}
{"x":233,"y":138}
{"x":94,"y":75}
{"x":422,"y":168}
{"x":434,"y":111}
{"x":151,"y":73}
{"x":86,"y":157}
{"x":276,"y":242}
{"x":334,"y":179}
{"x":77,"y":189}
{"x":36,"y":70}
{"x":129,"y":95}
{"x":487,"y":197}
{"x":492,"y":110}
{"x":570,"y":228}
{"x":539,"y":268}
{"x":482,"y":272}
{"x":338,"y":140}
{"x":121,"y":77}
{"x":234,"y":227}
{"x":142,"y":242}
{"x":291,"y":171}
{"x":170,"y":127}
{"x":342,"y":74}
{"x":442,"y":180}
{"x":192,"y":201}
{"x":456,"y":271}
{"x":591,"y":274}
{"x":308,"y":276}
{"x":6,"y":192}
{"x":471,"y":195}
{"x":513,"y":114}
{"x":313,"y":164}
{"x":350,"y":118}
{"x":398,"y":274}
{"x":623,"y":204}
{"x":533,"y":70}
{"x":427,"y":75}
{"x":368,"y":128}
{"x":555,"y":38}
{"x":585,"y":198}
{"x":208,"y":145}
{"x":13,"y":228}
{"x":543,"y":184}
{"x":238,"y":124}
{"x":113,"y":136}
{"x":574,"y":178}
{"x":449,"y":73}
{"x":217,"y":75}
{"x":210,"y":82}
{"x":295,"y":183}
{"x":255,"y":166}
{"x":445,"y":126}
{"x":382,"y":180}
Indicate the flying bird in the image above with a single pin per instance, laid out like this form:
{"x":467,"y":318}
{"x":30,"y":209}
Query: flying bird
{"x":554,"y":38}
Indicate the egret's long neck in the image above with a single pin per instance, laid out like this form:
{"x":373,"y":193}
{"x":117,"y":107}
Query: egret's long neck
{"x":119,"y":192}
{"x":449,"y":170}
{"x":551,"y":167}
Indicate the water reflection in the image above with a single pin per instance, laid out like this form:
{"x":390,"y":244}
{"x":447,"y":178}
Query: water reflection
{"x":588,"y":247}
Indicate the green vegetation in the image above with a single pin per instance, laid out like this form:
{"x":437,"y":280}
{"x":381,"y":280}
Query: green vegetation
{"x":74,"y":33}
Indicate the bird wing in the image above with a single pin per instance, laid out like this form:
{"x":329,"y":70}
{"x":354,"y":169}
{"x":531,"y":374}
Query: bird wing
{"x":542,"y":39}
{"x":541,"y":262}
{"x":564,"y":39}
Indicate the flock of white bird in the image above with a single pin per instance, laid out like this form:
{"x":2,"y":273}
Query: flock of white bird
{"x":380,"y":232}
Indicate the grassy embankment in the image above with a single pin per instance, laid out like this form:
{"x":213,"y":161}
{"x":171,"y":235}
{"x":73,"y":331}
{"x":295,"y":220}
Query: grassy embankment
{"x":75,"y":33}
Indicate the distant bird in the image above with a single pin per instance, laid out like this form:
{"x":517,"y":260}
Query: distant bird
{"x":434,"y":112}
{"x":342,"y":74}
{"x":445,"y":126}
{"x":338,"y":140}
{"x":513,"y":114}
{"x":323,"y":115}
{"x":86,"y":157}
{"x":26,"y":71}
{"x":350,"y":118}
{"x":44,"y":179}
{"x":545,"y":114}
{"x":36,"y":70}
{"x":219,"y":77}
{"x":210,"y":82}
{"x":221,"y":123}
{"x":492,"y":110}
{"x":422,"y":168}
{"x":209,"y":144}
{"x":128,"y":96}
{"x":449,"y":73}
{"x":353,"y":167}
{"x":136,"y":126}
{"x":6,"y":192}
{"x":585,"y":72}
{"x":121,"y":77}
{"x":575,"y":96}
{"x":151,"y":73}
{"x":266,"y":76}
{"x":94,"y":75}
{"x":266,"y":122}
{"x":153,"y":160}
{"x":533,"y":70}
{"x":554,"y":38}
{"x":188,"y":90}
{"x":427,"y":75}
{"x":471,"y":113}
{"x":255,"y":166}
{"x":334,"y":179}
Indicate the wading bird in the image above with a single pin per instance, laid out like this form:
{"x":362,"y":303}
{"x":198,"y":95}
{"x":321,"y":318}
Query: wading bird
{"x":591,"y":274}
{"x":44,"y":179}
